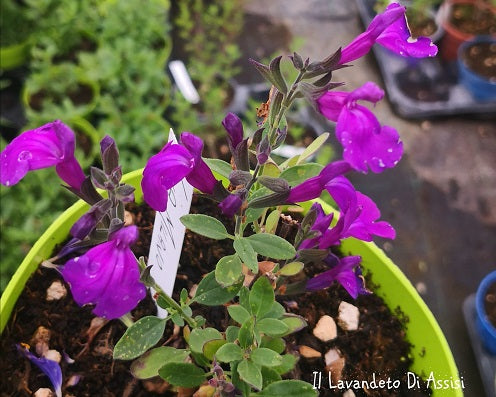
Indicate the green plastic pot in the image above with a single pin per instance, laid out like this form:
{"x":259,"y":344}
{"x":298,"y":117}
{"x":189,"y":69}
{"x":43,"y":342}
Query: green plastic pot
{"x":430,"y":351}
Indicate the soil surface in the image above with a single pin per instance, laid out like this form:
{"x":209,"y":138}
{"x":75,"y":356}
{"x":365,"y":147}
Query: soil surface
{"x":490,"y":304}
{"x":481,"y":59}
{"x":377,"y":347}
{"x":472,"y":20}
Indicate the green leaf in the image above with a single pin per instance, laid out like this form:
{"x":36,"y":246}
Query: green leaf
{"x":139,"y":337}
{"x":272,"y":221}
{"x":205,"y":225}
{"x":244,"y":298}
{"x":245,"y":335}
{"x":266,"y":357}
{"x":276,"y":311}
{"x":232,"y":333}
{"x":220,"y":166}
{"x":148,"y":364}
{"x":269,"y":376}
{"x":272,"y":246}
{"x":272,"y":327}
{"x":277,"y":78}
{"x":291,"y":269}
{"x":238,"y":313}
{"x":242,"y":386}
{"x":250,"y":373}
{"x":199,"y":337}
{"x":229,"y":352}
{"x":246,"y":253}
{"x":288,"y":363}
{"x":295,"y":323}
{"x":313,"y":147}
{"x":211,"y":293}
{"x":228,"y":270}
{"x":299,"y":173}
{"x":288,"y":388}
{"x":261,"y":297}
{"x":271,"y":169}
{"x":182,"y":374}
{"x":273,"y":343}
{"x":210,"y":348}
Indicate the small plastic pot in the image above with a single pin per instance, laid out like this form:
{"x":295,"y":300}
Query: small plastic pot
{"x":481,"y":88}
{"x":487,"y":331}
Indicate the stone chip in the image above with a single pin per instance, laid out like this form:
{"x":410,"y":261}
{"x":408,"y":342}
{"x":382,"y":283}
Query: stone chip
{"x":348,"y":317}
{"x":325,"y":329}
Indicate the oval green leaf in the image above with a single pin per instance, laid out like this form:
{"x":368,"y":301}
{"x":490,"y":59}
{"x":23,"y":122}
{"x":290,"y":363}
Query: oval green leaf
{"x":291,"y":269}
{"x":250,"y":373}
{"x":199,"y":337}
{"x":211,"y":293}
{"x":238,"y":313}
{"x":289,"y":388}
{"x":272,"y":327}
{"x":148,"y":364}
{"x":272,"y":246}
{"x":139,"y":337}
{"x":246,"y":253}
{"x":261,"y":297}
{"x":229,"y":352}
{"x":205,"y":225}
{"x":182,"y":374}
{"x":266,"y":357}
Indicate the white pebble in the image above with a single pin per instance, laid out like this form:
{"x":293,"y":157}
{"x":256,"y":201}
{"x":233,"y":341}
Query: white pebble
{"x":308,"y":352}
{"x":43,"y":392}
{"x":325,"y":329}
{"x":348,"y":316}
{"x":56,"y":291}
{"x":349,"y":393}
{"x":53,"y":355}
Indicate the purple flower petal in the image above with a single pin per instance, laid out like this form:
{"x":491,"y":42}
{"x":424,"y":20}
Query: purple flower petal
{"x":398,"y":38}
{"x":364,"y":227}
{"x":362,"y":44}
{"x":163,"y":171}
{"x":231,"y":204}
{"x":201,"y":176}
{"x":49,"y":367}
{"x":341,"y":272}
{"x":321,"y":224}
{"x":107,"y":276}
{"x":52,"y":144}
{"x":234,"y":129}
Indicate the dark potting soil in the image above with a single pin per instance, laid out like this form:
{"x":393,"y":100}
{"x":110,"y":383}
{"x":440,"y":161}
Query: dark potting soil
{"x":490,"y":304}
{"x":481,"y":59}
{"x":377,"y":347}
{"x":474,"y":20}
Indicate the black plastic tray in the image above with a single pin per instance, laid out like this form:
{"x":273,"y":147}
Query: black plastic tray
{"x":422,"y":88}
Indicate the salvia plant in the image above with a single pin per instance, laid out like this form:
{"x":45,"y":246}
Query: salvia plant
{"x":249,"y":356}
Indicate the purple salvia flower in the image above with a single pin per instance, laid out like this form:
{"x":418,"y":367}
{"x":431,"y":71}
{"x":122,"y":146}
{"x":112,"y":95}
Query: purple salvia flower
{"x":234,"y":129}
{"x":366,"y":143}
{"x":342,"y":272}
{"x":321,"y":224}
{"x":231,"y":204}
{"x":163,"y":171}
{"x":50,"y":368}
{"x":313,"y":187}
{"x":364,"y":227}
{"x":52,"y":144}
{"x":88,"y":221}
{"x":390,"y":30}
{"x":107,"y":276}
{"x":201,"y":176}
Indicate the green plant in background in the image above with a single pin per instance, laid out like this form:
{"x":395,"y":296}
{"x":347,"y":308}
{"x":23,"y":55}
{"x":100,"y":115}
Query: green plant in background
{"x":207,"y":32}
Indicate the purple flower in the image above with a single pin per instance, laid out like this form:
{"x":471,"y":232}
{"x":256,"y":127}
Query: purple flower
{"x":52,"y":144}
{"x":50,"y":368}
{"x":342,"y":271}
{"x":390,"y":30}
{"x":231,"y":204}
{"x":321,"y":224}
{"x":366,"y":143}
{"x":364,"y":226}
{"x":234,"y":129}
{"x":201,"y":176}
{"x":163,"y":171}
{"x":107,"y":276}
{"x":313,"y":187}
{"x":173,"y":163}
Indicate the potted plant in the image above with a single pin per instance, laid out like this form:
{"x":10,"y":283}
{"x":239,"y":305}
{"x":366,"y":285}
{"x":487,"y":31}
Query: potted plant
{"x":486,"y":314}
{"x":476,"y":70}
{"x":253,"y":347}
{"x":462,"y":20}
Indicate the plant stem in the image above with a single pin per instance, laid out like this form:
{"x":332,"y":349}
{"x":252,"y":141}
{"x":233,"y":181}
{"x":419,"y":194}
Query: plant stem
{"x":175,"y":306}
{"x":127,"y":320}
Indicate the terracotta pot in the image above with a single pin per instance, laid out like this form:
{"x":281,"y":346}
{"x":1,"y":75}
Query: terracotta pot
{"x":453,"y":36}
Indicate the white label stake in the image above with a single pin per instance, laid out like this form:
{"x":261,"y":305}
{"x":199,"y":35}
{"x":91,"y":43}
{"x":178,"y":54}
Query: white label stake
{"x":168,"y":236}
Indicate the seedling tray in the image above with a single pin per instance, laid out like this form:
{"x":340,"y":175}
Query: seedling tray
{"x":422,"y":88}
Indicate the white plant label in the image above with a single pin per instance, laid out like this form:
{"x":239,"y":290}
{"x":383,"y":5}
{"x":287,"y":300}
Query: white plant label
{"x":168,"y":236}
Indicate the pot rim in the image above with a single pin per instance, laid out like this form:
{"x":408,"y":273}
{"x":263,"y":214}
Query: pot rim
{"x":486,"y":282}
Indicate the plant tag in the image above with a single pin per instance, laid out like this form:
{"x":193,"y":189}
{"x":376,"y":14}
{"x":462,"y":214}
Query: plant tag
{"x":168,"y":236}
{"x":183,"y":81}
